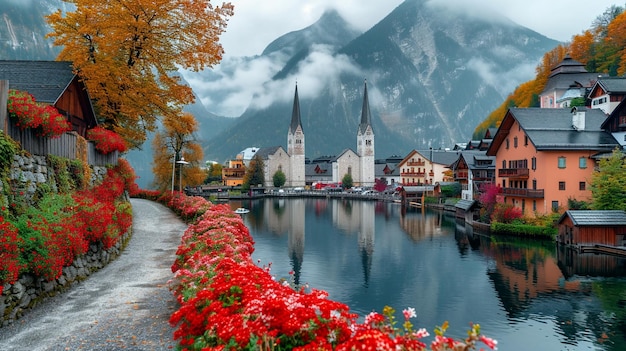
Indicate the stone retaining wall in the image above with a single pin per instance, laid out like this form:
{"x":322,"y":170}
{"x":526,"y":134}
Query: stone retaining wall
{"x":29,"y":291}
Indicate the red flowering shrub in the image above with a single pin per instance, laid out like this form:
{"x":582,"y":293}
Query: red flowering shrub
{"x":106,"y":141}
{"x":227,"y":302}
{"x":61,"y":227}
{"x":9,"y":253}
{"x":29,"y":114}
{"x":53,"y":123}
{"x":506,"y":213}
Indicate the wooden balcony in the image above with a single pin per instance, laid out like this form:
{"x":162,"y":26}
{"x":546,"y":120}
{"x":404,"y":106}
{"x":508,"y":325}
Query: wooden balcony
{"x":531,"y":193}
{"x":416,"y":163}
{"x":412,"y":174}
{"x":513,"y":173}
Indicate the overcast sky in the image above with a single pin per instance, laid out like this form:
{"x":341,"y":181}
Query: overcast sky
{"x":256,"y":23}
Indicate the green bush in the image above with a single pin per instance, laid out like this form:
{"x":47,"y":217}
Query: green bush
{"x":523,"y":230}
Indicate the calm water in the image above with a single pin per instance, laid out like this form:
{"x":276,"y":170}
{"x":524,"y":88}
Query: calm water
{"x":526,"y":294}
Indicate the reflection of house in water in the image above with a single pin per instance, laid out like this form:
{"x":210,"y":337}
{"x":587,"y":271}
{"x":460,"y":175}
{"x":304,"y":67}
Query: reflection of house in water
{"x":420,"y":225}
{"x":295,"y":240}
{"x":521,"y":274}
{"x":574,"y":263}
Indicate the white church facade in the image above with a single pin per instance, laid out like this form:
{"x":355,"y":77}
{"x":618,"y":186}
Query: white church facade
{"x":359,"y":164}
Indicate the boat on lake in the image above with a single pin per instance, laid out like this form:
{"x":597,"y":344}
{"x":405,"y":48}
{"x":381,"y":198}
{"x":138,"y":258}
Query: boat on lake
{"x":242,"y":210}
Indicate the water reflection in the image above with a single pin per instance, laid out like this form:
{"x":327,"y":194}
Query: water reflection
{"x":526,"y":293}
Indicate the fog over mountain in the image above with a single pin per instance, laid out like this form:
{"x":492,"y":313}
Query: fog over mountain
{"x":433,"y":74}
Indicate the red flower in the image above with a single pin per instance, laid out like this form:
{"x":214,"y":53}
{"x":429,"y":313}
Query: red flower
{"x":106,"y":140}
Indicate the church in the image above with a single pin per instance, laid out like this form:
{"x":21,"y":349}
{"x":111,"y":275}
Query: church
{"x":299,"y":172}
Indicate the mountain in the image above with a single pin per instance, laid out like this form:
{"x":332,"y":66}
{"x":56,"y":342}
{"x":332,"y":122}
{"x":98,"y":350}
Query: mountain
{"x":433,"y":74}
{"x":23,"y":29}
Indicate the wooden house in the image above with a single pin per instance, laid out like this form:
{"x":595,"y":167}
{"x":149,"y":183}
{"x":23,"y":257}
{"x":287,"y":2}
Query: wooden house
{"x":54,"y":83}
{"x":586,"y":227}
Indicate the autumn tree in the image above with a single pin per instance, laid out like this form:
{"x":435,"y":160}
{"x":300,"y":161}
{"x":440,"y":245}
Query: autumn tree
{"x":214,"y":174}
{"x":127,"y":52}
{"x":175,"y":142}
{"x":254,"y":174}
{"x":608,"y":183}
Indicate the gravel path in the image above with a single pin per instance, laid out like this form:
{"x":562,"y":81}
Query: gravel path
{"x":124,"y":306}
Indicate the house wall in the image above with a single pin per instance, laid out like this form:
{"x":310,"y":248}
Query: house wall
{"x":547,"y":174}
{"x":595,"y":235}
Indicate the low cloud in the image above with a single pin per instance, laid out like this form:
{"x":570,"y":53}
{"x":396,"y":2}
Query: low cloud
{"x":505,"y":81}
{"x":241,"y":83}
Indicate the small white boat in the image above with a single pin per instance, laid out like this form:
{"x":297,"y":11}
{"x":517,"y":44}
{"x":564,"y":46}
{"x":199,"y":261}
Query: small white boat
{"x":242,"y":210}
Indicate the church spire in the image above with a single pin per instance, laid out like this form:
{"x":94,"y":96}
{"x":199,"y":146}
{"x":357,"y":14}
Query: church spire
{"x":366,"y":117}
{"x":295,"y":114}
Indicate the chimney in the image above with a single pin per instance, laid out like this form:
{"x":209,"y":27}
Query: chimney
{"x":578,"y":119}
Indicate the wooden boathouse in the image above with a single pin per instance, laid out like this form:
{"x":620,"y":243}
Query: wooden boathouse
{"x":594,"y":230}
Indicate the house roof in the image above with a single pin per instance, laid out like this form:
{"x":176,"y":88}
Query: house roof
{"x":611,"y":85}
{"x":465,"y":205}
{"x":551,"y":129}
{"x":265,"y":152}
{"x":605,"y":218}
{"x":45,"y":80}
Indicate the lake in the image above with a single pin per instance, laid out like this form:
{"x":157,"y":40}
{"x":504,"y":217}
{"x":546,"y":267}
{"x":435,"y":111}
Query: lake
{"x":527,"y":294}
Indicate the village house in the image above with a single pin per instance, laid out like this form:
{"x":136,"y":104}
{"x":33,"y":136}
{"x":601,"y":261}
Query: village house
{"x":421,"y":167}
{"x":53,"y":83}
{"x":546,"y":156}
{"x":567,"y":80}
{"x":233,"y":172}
{"x":473,"y":169}
{"x":607,"y":93}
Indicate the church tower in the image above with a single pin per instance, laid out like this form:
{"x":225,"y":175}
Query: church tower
{"x":365,"y":144}
{"x":295,"y":146}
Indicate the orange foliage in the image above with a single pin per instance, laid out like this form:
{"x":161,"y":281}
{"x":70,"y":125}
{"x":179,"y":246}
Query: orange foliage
{"x":616,"y":38}
{"x":526,"y":93}
{"x":127,"y":53}
{"x":177,"y":139}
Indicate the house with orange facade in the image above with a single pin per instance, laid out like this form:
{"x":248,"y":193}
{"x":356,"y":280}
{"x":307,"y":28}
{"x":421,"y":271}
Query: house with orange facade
{"x":546,"y":156}
{"x":233,"y":174}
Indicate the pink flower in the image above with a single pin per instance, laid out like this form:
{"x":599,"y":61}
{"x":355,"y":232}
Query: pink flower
{"x":491,"y":343}
{"x":409,"y":313}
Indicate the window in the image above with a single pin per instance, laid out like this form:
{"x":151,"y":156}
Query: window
{"x":561,"y":185}
{"x":582,"y":186}
{"x":503,"y":163}
{"x":534,"y":205}
{"x":555,"y":205}
{"x":350,"y":170}
{"x":523,"y":205}
{"x":515,"y":142}
{"x":582,"y":162}
{"x":533,"y":162}
{"x":561,"y":162}
{"x":507,"y":144}
{"x":534,"y":184}
{"x":525,"y":140}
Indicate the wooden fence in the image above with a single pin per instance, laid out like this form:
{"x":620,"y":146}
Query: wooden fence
{"x":64,"y":146}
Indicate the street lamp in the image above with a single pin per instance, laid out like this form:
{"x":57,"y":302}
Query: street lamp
{"x":174,"y":169}
{"x":181,"y":162}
